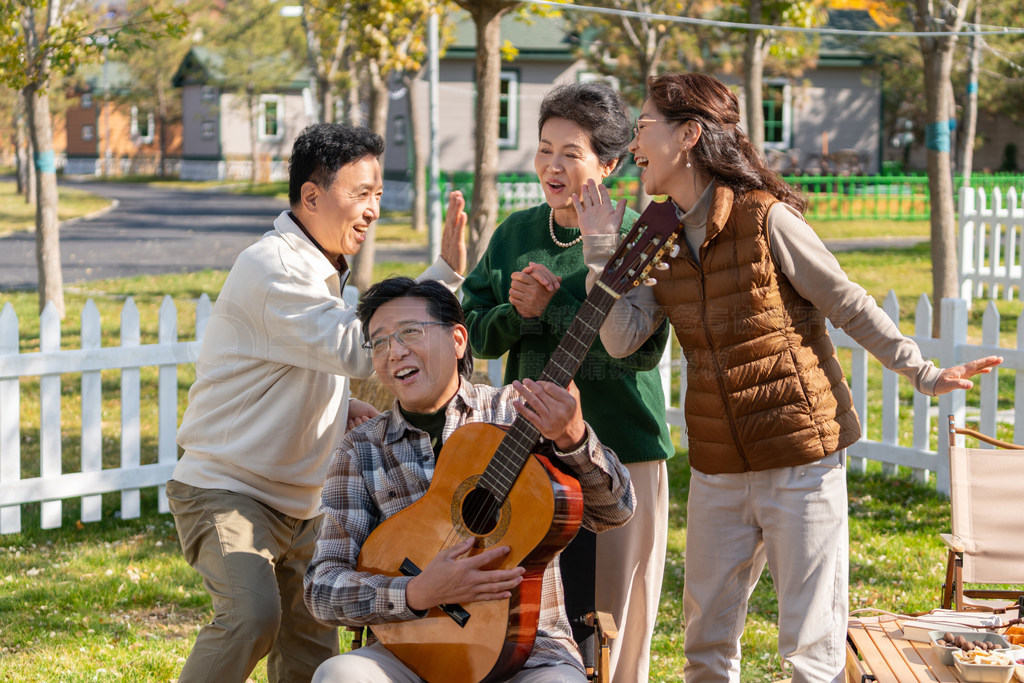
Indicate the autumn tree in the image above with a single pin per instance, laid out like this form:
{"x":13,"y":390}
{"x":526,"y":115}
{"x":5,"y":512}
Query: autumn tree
{"x":783,"y":52}
{"x":631,"y":48}
{"x":39,"y":40}
{"x":259,"y":51}
{"x":152,"y":70}
{"x":486,"y":15}
{"x":392,"y":40}
{"x":330,"y":34}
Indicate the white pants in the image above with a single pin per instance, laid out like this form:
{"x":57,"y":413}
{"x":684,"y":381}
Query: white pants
{"x":630,"y":565}
{"x":375,"y":664}
{"x":793,"y":518}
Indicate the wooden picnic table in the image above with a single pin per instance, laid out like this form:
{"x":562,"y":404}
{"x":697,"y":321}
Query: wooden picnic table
{"x":877,"y":651}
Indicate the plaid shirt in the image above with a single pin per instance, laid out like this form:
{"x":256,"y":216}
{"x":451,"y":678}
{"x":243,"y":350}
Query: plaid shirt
{"x":385,"y":465}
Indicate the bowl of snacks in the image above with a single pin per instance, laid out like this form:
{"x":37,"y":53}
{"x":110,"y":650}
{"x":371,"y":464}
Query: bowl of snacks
{"x":946,"y":643}
{"x":978,"y":666}
{"x":1018,"y":669}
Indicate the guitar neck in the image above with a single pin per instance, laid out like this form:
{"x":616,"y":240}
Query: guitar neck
{"x":522,"y":436}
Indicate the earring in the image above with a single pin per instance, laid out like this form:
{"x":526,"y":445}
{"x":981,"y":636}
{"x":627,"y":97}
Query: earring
{"x":688,"y":164}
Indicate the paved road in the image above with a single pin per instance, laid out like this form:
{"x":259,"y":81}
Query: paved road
{"x":153,"y":230}
{"x":157,"y":230}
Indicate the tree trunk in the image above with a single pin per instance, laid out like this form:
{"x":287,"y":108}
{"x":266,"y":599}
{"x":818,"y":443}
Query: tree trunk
{"x":362,"y":268}
{"x":21,"y":155}
{"x":484,"y":215}
{"x":937,"y":54}
{"x":419,"y":161}
{"x":326,"y":103}
{"x":51,"y":284}
{"x":970,"y":127}
{"x":753,"y":67}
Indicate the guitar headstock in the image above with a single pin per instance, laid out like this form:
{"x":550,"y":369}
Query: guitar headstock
{"x":641,"y":249}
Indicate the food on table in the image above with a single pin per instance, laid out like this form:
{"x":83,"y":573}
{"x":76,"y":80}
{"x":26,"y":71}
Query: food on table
{"x":983,"y":657}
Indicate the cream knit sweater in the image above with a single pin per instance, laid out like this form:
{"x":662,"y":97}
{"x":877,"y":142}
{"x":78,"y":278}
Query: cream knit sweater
{"x":270,"y":399}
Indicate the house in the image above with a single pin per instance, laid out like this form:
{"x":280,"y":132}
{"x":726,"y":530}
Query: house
{"x":107,"y":135}
{"x":831,"y":114}
{"x":829,"y":120}
{"x":222,"y":134}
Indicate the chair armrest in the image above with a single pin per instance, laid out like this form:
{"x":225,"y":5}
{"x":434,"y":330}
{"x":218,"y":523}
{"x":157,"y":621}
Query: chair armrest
{"x":988,"y":439}
{"x":954,"y":543}
{"x":604,"y":622}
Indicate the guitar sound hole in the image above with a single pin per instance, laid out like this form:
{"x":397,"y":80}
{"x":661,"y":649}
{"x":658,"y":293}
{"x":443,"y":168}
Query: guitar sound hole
{"x":480,"y":511}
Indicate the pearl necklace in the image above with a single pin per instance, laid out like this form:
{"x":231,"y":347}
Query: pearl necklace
{"x":551,"y":230}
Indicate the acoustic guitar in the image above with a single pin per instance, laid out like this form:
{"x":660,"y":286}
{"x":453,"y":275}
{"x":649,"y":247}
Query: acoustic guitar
{"x":489,"y":485}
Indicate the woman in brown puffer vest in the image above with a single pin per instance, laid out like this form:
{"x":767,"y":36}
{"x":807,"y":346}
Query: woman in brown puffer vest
{"x":768,"y":411}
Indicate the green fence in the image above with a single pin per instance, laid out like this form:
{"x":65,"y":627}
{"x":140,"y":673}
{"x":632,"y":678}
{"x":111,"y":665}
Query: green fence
{"x":892,"y":197}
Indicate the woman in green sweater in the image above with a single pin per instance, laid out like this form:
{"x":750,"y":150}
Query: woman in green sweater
{"x":520,"y":300}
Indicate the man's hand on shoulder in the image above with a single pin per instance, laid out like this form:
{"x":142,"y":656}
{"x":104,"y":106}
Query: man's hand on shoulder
{"x":453,"y":240}
{"x":360,"y":412}
{"x":450,"y":577}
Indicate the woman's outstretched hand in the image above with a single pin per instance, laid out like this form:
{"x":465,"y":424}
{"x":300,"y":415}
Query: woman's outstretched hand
{"x":594,"y":209}
{"x":957,"y":376}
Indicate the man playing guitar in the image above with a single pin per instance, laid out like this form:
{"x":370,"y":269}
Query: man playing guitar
{"x":418,"y":341}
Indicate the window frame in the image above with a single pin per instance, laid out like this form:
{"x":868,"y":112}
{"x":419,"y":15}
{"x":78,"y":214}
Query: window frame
{"x":785,"y":121}
{"x":510,"y":101}
{"x":136,"y":131}
{"x":263,"y":136}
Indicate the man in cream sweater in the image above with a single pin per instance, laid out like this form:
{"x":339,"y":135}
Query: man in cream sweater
{"x":270,"y":403}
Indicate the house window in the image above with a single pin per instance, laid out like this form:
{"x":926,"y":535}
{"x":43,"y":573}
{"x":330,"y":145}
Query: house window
{"x":208,"y":93}
{"x":142,"y":127}
{"x":271,"y":123}
{"x":86,"y":100}
{"x":208,"y":130}
{"x":778,"y":113}
{"x":87,"y":133}
{"x":508,"y":111}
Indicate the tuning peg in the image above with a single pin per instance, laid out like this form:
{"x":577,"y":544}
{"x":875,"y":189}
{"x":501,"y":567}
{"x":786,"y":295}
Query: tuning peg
{"x":660,"y":265}
{"x":674,"y":251}
{"x":650,"y":281}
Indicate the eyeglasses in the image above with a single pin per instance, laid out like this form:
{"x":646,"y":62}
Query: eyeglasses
{"x":410,"y":334}
{"x":636,"y":124}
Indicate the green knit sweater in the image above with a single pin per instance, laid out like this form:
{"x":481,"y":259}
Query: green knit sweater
{"x":622,"y":398}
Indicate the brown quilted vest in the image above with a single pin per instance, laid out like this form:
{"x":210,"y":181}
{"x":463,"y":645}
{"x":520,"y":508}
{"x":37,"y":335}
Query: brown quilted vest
{"x":764,"y":388}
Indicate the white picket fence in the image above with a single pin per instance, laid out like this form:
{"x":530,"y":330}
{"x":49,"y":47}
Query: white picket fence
{"x":991,"y":243}
{"x":90,"y":480}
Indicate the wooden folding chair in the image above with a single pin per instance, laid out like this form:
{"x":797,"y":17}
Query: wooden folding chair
{"x":986,"y":545}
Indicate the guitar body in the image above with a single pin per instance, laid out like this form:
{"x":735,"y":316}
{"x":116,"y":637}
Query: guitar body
{"x":538,"y":518}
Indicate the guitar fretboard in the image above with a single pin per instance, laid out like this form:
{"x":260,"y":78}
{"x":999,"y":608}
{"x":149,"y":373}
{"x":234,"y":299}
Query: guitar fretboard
{"x":522,"y":437}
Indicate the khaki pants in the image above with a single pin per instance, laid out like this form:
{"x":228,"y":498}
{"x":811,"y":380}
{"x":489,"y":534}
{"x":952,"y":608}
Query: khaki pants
{"x":375,"y":664}
{"x":794,"y":519}
{"x":630,"y":566}
{"x":252,"y":560}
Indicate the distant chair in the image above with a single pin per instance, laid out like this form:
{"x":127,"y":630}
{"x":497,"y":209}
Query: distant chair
{"x":986,"y":546}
